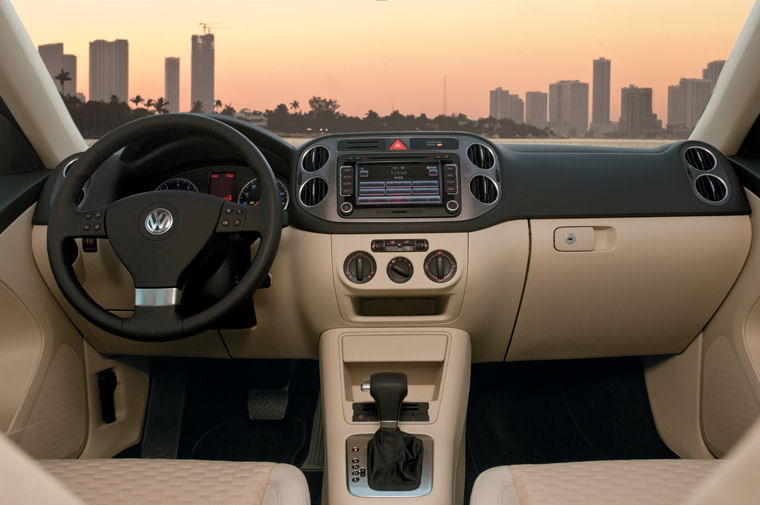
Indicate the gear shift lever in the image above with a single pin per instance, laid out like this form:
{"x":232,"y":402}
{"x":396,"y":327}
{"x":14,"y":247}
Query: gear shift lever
{"x":394,"y":458}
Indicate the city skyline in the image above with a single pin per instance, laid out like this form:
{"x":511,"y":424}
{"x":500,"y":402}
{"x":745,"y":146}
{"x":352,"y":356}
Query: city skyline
{"x":261,"y":68}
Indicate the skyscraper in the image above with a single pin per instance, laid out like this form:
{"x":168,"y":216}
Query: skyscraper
{"x":202,"y":72}
{"x":636,"y":116}
{"x":55,"y":62}
{"x":687,"y":101}
{"x":535,"y":108}
{"x":171,"y":83}
{"x":109,"y":70}
{"x":504,"y":105}
{"x":712,"y":71}
{"x":568,"y":108}
{"x":600,"y":107}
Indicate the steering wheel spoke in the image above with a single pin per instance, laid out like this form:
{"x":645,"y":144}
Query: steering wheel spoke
{"x":86,"y":223}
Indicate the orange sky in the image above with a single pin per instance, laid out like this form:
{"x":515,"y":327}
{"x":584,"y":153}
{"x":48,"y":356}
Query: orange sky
{"x":383,"y":54}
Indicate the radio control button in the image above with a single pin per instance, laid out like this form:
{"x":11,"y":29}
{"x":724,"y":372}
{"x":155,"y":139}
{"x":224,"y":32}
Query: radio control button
{"x":346,"y":208}
{"x":452,"y":206}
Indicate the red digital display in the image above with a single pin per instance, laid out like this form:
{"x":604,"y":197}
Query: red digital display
{"x":222,"y":185}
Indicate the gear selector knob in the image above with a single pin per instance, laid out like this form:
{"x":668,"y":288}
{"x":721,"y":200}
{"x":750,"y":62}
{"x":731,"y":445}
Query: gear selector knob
{"x":388,"y":390}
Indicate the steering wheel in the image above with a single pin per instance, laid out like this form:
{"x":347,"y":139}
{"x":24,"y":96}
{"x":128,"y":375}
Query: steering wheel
{"x":158,"y":234}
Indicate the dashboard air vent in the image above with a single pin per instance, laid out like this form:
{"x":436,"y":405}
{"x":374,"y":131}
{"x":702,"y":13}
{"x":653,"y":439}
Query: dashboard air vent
{"x":483,"y":189}
{"x":700,"y":158}
{"x":313,"y":192}
{"x":480,"y":155}
{"x":711,"y":188}
{"x":315,"y":158}
{"x":361,"y":145}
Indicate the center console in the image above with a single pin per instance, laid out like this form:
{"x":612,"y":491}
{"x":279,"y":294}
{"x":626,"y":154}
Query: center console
{"x":435,"y":364}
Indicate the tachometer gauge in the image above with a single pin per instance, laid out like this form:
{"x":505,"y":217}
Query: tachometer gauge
{"x":177,"y":184}
{"x":251,"y":193}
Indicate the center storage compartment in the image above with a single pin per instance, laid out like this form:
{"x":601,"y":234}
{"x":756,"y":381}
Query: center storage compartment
{"x":390,"y":307}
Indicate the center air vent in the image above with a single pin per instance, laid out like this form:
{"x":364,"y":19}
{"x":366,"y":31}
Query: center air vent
{"x":711,"y":188}
{"x":480,"y":155}
{"x":700,"y":158}
{"x":313,"y":191}
{"x":315,"y":158}
{"x":483,"y":189}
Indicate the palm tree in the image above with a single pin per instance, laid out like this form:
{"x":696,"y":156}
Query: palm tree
{"x":161,"y":105}
{"x":197,"y":106}
{"x":294,"y":105}
{"x":228,"y":110}
{"x":62,"y":77}
{"x":217,"y":104}
{"x":137,"y":100}
{"x":149,"y":103}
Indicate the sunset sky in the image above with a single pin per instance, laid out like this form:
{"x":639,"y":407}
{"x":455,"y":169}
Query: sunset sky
{"x":381,"y":55}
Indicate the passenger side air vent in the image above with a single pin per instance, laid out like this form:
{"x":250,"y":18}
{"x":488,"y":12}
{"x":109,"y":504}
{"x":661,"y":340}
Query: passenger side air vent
{"x":361,"y":145}
{"x":700,"y":158}
{"x":315,"y":158}
{"x":313,"y":192}
{"x":480,"y":155}
{"x":711,"y":188}
{"x":483,"y":189}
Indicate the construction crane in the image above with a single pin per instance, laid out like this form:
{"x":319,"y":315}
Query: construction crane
{"x":207,"y":27}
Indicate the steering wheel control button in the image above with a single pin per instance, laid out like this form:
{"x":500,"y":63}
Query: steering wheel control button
{"x":452,"y":206}
{"x":400,"y":269}
{"x":159,"y":221}
{"x":359,"y":267}
{"x":346,"y":208}
{"x":440,"y":266}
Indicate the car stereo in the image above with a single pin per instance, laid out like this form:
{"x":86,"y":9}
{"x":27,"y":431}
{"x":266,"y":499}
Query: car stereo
{"x":419,"y":185}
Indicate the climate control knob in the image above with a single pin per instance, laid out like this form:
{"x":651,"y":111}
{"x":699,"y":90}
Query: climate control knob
{"x":440,"y":266}
{"x":400,"y":269}
{"x":359,"y":267}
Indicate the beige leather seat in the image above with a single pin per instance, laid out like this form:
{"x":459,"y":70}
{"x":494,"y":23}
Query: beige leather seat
{"x":731,"y":480}
{"x":168,"y":482}
{"x":660,"y":482}
{"x":24,"y":481}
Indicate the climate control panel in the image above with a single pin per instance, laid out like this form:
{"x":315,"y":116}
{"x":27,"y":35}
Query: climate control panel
{"x":360,"y":267}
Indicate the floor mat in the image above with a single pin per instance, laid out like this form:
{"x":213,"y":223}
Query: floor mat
{"x":245,"y":440}
{"x":549,"y":412}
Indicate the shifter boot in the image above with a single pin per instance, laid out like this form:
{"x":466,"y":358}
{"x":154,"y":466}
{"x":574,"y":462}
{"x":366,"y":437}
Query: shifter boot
{"x":394,"y":460}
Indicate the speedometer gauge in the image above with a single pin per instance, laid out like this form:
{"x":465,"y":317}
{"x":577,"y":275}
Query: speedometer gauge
{"x":177,"y":184}
{"x":251,"y":193}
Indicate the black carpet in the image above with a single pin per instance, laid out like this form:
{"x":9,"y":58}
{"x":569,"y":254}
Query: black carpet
{"x":550,"y":412}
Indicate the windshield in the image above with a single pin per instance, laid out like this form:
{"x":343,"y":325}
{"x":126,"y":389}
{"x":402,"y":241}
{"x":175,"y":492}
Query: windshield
{"x":600,"y":72}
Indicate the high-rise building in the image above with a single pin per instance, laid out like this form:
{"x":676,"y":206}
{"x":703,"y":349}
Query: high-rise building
{"x":568,"y":108}
{"x":504,"y":105}
{"x":171,"y":83}
{"x":636,"y":116}
{"x":536,"y":103}
{"x":712,"y":71}
{"x":202,"y":72}
{"x":600,"y":106}
{"x":687,"y":101}
{"x":109,"y":70}
{"x":57,"y":62}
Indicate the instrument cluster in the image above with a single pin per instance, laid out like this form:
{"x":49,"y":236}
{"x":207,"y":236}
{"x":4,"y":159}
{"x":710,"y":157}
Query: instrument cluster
{"x":234,"y":184}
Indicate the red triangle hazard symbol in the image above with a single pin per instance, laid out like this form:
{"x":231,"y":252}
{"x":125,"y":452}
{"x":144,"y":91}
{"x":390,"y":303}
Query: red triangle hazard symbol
{"x":397,"y":146}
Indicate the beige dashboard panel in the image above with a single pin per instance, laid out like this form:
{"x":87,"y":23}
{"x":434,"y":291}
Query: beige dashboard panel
{"x":648,"y":287}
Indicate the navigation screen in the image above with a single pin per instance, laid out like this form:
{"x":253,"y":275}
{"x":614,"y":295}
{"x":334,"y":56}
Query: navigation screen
{"x":401,"y":183}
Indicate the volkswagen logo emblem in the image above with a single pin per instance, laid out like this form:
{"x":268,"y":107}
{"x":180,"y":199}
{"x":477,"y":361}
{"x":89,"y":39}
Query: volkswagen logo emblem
{"x":159,"y":221}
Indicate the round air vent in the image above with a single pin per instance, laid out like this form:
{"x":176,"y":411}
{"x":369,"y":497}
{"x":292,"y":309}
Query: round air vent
{"x":313,"y":191}
{"x":711,"y":188}
{"x":480,"y":156}
{"x":700,"y":158}
{"x":484,"y":189}
{"x":315,"y":158}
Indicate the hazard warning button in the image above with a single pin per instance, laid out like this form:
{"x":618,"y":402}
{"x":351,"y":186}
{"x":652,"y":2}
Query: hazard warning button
{"x":397,"y":145}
